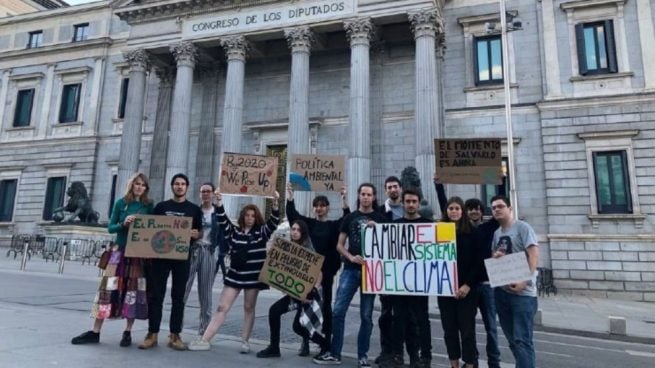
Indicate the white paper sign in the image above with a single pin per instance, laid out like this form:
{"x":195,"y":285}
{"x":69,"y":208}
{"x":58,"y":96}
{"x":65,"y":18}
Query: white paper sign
{"x":508,"y":269}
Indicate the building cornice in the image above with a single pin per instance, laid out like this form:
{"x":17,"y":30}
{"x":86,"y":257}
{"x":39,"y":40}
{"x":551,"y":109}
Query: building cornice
{"x":596,"y":101}
{"x":49,"y":49}
{"x":48,"y":14}
{"x":589,"y":4}
{"x":143,"y":12}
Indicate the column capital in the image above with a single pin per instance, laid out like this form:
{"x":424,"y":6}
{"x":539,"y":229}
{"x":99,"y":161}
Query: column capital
{"x":359,"y":31}
{"x":185,"y":53}
{"x":427,"y":22}
{"x":300,"y":39}
{"x":137,"y":59}
{"x":166,"y":76}
{"x":236,"y":47}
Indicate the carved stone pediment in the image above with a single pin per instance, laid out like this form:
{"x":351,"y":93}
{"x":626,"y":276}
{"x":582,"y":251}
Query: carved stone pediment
{"x":138,"y":11}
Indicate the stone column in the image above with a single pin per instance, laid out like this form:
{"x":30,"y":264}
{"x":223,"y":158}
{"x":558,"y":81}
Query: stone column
{"x":551,"y":57}
{"x":178,"y":143}
{"x":160,"y":134}
{"x":130,"y":149}
{"x":300,"y":40}
{"x":359,"y":32}
{"x":427,"y":26}
{"x":646,"y":35}
{"x":206,"y":136}
{"x":236,"y":48}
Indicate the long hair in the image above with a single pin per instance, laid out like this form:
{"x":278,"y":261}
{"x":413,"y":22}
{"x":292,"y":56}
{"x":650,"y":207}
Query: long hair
{"x":129,"y":195}
{"x":375,"y":195}
{"x":304,"y":234}
{"x":259,"y":219}
{"x":462,"y":225}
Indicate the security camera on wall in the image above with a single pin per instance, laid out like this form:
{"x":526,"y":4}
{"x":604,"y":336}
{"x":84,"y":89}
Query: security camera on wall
{"x":517,"y":23}
{"x":489,"y":27}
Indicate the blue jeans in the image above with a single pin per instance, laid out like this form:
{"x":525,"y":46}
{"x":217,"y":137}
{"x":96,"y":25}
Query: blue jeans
{"x":516,"y":314}
{"x":349,"y":282}
{"x":487,"y":307}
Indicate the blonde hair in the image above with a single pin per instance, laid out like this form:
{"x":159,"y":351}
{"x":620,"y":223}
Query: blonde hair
{"x":129,"y":195}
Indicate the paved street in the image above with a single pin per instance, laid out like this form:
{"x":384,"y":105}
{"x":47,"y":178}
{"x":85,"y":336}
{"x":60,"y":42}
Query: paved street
{"x":41,"y":310}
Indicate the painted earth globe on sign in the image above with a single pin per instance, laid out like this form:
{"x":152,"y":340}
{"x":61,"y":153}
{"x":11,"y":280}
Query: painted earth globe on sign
{"x":163,"y":242}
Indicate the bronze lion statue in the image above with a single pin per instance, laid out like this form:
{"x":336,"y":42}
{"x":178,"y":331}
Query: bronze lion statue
{"x":79,"y":206}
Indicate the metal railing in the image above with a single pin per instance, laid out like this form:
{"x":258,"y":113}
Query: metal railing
{"x":56,"y":249}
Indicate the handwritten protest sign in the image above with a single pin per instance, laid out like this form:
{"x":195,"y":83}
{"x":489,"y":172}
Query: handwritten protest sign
{"x":508,"y":269}
{"x":251,"y":175}
{"x":166,"y":237}
{"x":317,"y":172}
{"x":469,"y":161}
{"x":291,"y":268}
{"x":410,"y":259}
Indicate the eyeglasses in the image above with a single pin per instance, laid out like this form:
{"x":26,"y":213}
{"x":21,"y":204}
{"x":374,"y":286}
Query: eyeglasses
{"x":205,"y":191}
{"x":498,"y":207}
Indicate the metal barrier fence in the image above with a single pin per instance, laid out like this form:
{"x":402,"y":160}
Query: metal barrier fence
{"x":56,"y":249}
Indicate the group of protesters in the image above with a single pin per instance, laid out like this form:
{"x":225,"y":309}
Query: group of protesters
{"x":134,"y":288}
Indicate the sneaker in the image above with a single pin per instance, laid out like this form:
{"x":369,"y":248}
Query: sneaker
{"x":126,"y":340}
{"x":327,"y":359}
{"x":88,"y":337}
{"x":269,"y":352}
{"x":199,"y":345}
{"x":304,"y":348}
{"x":149,"y":342}
{"x":363,"y":363}
{"x":245,"y":347}
{"x":175,"y":342}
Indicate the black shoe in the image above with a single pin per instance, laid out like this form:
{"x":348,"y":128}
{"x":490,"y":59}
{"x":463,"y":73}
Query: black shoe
{"x":269,"y":352}
{"x":304,"y":348}
{"x":126,"y":340}
{"x":88,"y":337}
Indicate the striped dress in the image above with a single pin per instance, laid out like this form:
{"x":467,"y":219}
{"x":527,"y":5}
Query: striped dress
{"x":247,"y":277}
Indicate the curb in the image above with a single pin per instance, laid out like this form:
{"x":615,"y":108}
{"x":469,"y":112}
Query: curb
{"x":561,"y":330}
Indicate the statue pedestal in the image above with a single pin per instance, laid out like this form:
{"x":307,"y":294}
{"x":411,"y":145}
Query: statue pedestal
{"x":83,"y":241}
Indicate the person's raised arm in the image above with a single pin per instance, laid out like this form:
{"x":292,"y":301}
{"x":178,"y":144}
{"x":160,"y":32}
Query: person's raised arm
{"x":274,"y":219}
{"x":223,"y":220}
{"x":292,"y":213}
{"x":441,"y":193}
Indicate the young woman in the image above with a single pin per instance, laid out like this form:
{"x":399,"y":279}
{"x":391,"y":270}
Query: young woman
{"x":247,"y":242}
{"x":122,"y":291}
{"x":458,"y":313}
{"x":300,"y":235}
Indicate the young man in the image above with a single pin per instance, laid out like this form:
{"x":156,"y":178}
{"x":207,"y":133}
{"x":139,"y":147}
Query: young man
{"x":201,"y":253}
{"x":516,"y":303}
{"x":324,"y":234}
{"x":351,"y":279}
{"x":410,"y":309}
{"x":157,"y":273}
{"x":484,"y":233}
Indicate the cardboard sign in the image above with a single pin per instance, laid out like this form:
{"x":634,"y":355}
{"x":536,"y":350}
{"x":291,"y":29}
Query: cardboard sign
{"x":508,"y":269}
{"x":166,"y":237}
{"x":410,"y":259}
{"x":250,"y":175}
{"x":469,"y":161}
{"x":291,"y":268}
{"x":317,"y":173}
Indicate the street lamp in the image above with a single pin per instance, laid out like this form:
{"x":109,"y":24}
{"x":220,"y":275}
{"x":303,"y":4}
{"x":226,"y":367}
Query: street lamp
{"x":513,"y":24}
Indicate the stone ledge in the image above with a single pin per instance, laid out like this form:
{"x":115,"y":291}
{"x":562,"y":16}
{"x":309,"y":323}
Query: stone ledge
{"x":581,"y":78}
{"x":637,"y":218}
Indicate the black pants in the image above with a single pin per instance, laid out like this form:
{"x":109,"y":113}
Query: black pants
{"x":156,"y":277}
{"x":385,"y":323}
{"x":411,"y":326}
{"x":283,"y":306}
{"x":458,"y":322}
{"x":220,"y":264}
{"x":326,"y":307}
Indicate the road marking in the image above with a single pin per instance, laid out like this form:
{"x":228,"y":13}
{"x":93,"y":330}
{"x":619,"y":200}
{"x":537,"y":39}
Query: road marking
{"x":641,"y":353}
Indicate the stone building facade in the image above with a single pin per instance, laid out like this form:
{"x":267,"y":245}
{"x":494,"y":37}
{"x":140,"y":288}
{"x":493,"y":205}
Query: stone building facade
{"x":112,"y":87}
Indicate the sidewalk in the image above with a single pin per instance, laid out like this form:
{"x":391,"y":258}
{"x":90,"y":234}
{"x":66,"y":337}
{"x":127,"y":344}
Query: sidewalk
{"x":569,"y":314}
